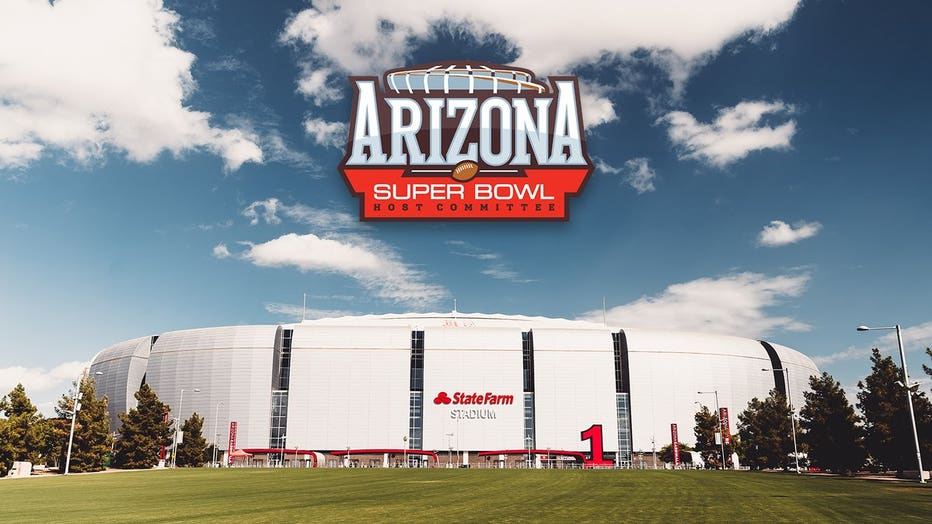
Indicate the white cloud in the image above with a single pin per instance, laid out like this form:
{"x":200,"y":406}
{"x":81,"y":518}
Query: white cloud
{"x":294,"y":312}
{"x":327,"y":220}
{"x":639,"y":175}
{"x":369,"y":37}
{"x":732,"y":304}
{"x":40,"y":381}
{"x":915,"y":338}
{"x":779,"y":233}
{"x":224,"y":224}
{"x":266,"y":210}
{"x":221,"y":251}
{"x":636,"y":173}
{"x":374,"y":265}
{"x":501,"y":271}
{"x":278,"y":150}
{"x":605,"y":167}
{"x":736,"y":132}
{"x":325,"y":133}
{"x":597,"y":108}
{"x":86,"y":76}
{"x":493,"y":266}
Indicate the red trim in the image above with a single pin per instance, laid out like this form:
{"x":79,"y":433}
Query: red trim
{"x":387,"y":450}
{"x":576,"y":454}
{"x":287,"y":452}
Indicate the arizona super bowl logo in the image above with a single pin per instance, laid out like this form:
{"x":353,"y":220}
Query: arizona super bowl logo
{"x":465,"y":141}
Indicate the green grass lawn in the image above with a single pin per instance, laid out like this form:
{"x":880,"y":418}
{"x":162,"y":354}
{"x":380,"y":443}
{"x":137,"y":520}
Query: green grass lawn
{"x":303,"y":495}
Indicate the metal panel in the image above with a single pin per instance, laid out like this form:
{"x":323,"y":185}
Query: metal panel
{"x":232,"y":367}
{"x":668,"y":369}
{"x":800,"y":369}
{"x":473,"y":360}
{"x":574,"y":387}
{"x":349,"y":387}
{"x":122,"y":366}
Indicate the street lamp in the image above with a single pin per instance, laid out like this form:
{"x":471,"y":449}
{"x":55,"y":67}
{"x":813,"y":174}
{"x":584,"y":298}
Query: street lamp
{"x":284,"y":440}
{"x":530,"y":442}
{"x":906,"y":385}
{"x":177,"y":426}
{"x":789,"y":402}
{"x":217,"y":432}
{"x":75,"y":406}
{"x":450,"y":448}
{"x":718,"y":413}
{"x":404,"y":441}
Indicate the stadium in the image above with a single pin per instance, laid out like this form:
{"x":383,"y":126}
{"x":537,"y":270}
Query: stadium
{"x":450,"y":389}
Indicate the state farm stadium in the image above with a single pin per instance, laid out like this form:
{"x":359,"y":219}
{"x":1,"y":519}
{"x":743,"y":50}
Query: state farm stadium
{"x":450,"y":389}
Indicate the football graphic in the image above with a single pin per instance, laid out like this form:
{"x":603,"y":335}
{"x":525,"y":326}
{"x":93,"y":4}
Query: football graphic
{"x":465,"y":171}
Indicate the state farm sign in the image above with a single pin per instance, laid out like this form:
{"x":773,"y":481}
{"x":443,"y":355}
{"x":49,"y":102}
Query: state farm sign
{"x":462,"y":398}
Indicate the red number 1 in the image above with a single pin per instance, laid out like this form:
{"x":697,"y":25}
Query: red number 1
{"x":594,"y":436}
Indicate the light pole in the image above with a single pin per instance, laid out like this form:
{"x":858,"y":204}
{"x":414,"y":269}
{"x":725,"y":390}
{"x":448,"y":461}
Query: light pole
{"x":177,"y":426}
{"x":284,"y":440}
{"x":789,"y":402}
{"x":718,"y":414}
{"x":906,"y":386}
{"x":404,"y":441}
{"x":653,"y":450}
{"x":75,"y":406}
{"x":530,"y":442}
{"x":450,"y":448}
{"x":217,"y":432}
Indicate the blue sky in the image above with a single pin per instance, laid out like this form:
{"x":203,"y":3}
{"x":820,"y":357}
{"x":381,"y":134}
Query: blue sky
{"x":763,"y":170}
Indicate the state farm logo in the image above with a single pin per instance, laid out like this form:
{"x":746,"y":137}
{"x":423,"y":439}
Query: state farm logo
{"x":464,"y":398}
{"x":442,"y":398}
{"x":465,"y":141}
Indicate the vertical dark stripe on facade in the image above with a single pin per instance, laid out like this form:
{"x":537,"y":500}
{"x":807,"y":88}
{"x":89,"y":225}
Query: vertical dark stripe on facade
{"x":622,"y":369}
{"x":527,"y":358}
{"x":778,"y":378}
{"x":416,"y":393}
{"x":527,"y":353}
{"x":281,"y":381}
{"x":417,"y":361}
{"x":622,"y":396}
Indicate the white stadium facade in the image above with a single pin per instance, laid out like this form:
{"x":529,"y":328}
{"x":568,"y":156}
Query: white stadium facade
{"x":367,"y":390}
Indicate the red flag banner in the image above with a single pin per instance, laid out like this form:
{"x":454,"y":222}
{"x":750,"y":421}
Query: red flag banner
{"x":726,"y":432}
{"x":231,"y":447}
{"x":674,"y":435}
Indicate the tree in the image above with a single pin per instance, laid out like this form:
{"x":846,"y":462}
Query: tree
{"x":764,"y":428}
{"x":6,"y":447}
{"x":707,"y":425}
{"x":191,"y":449}
{"x":20,"y":432}
{"x":54,"y":439}
{"x":889,"y":433}
{"x":666,"y":453}
{"x":926,"y":368}
{"x":144,"y":432}
{"x":830,"y":428}
{"x":91,"y":442}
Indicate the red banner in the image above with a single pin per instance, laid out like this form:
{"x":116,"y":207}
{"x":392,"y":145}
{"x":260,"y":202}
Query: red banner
{"x":726,"y":432}
{"x":674,"y":435}
{"x":231,"y":447}
{"x":388,"y":194}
